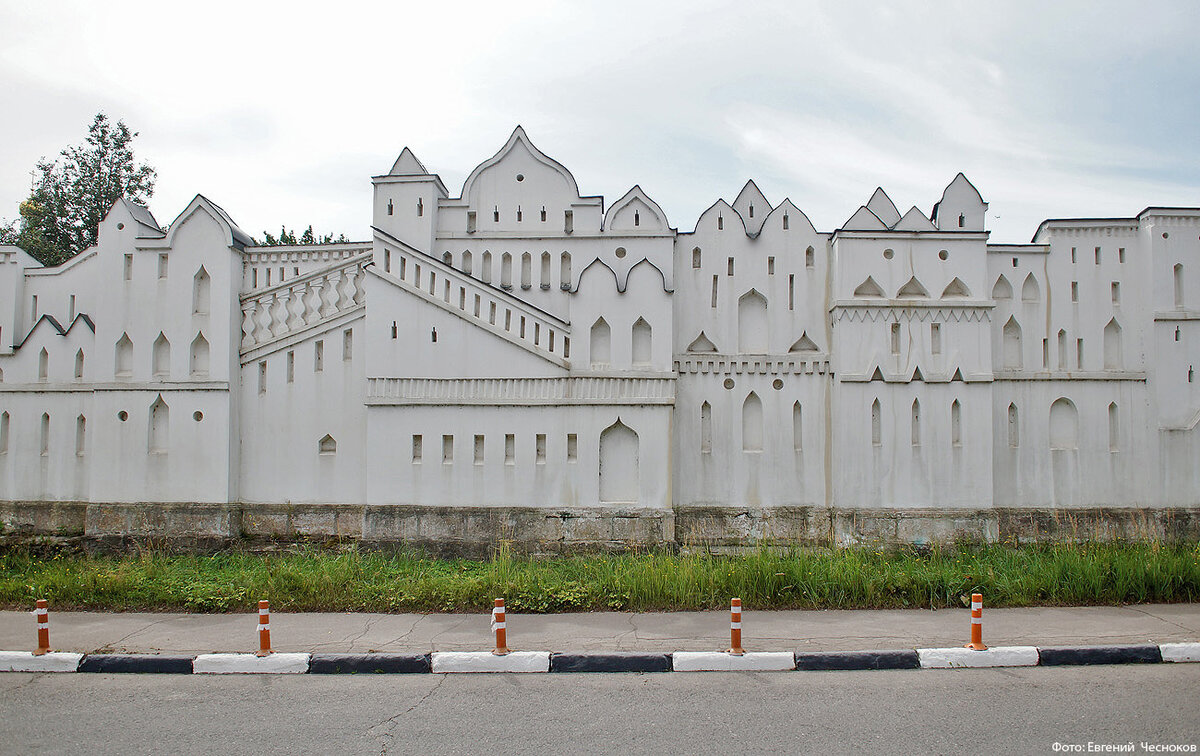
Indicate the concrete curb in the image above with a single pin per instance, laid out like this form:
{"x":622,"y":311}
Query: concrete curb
{"x":239,"y":664}
{"x":1180,"y":652}
{"x":138,"y":663}
{"x":486,"y":661}
{"x":617,"y":661}
{"x":997,"y":656}
{"x":629,"y":661}
{"x":1050,"y":657}
{"x":353,"y":664}
{"x":719,"y":661}
{"x":848,"y":660}
{"x":25,"y":661}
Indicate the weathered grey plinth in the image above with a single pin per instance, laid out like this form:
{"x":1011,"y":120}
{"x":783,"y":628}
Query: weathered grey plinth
{"x":476,"y":531}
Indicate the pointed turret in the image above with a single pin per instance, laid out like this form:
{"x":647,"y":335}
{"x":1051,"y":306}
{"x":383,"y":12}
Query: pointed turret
{"x":753,"y":206}
{"x":408,"y":165}
{"x":883,"y":207}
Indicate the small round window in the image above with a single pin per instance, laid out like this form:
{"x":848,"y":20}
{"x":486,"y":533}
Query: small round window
{"x":520,"y":177}
{"x":888,"y":254}
{"x":620,"y":253}
{"x":197,"y":415}
{"x":122,"y":415}
{"x":943,"y":254}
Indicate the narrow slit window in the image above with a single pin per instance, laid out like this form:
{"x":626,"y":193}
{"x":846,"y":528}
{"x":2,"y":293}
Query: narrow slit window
{"x":810,"y":257}
{"x":510,"y":449}
{"x":572,"y":447}
{"x":416,"y":448}
{"x":319,"y":356}
{"x":895,"y":338}
{"x":478,"y":450}
{"x":956,"y":423}
{"x":447,"y":449}
{"x":162,"y":266}
{"x":729,"y":270}
{"x":770,"y":266}
{"x":291,"y":366}
{"x":539,"y":448}
{"x":797,"y":427}
{"x":348,"y":344}
{"x":1116,"y":293}
{"x":1074,"y":291}
{"x":696,"y":257}
{"x":129,"y":269}
{"x":935,"y":338}
{"x":80,"y":436}
{"x":791,"y":291}
{"x":714,"y":293}
{"x":1114,"y":428}
{"x":262,"y":377}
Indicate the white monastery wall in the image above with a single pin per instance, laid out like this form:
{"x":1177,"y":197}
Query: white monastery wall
{"x":521,"y":345}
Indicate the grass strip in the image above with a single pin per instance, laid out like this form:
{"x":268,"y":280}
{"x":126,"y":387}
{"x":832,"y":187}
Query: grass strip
{"x":312,"y":579}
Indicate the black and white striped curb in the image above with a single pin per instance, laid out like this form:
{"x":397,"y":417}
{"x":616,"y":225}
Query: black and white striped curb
{"x":546,"y":661}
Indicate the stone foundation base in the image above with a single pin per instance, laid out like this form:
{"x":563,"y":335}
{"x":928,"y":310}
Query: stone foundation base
{"x":478,"y":531}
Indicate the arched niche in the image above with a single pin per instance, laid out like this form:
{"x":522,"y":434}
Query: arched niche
{"x":619,"y":478}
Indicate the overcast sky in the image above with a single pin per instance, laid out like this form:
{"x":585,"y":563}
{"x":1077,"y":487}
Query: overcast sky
{"x":281,"y":112}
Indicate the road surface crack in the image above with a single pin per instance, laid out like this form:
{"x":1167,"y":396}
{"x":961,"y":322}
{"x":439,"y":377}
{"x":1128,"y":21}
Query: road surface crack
{"x":389,"y":734}
{"x":116,"y":645}
{"x":410,"y":631}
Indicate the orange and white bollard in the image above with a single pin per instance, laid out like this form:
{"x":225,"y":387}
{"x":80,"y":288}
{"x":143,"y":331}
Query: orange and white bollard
{"x":735,"y":627}
{"x":499,"y":628}
{"x":42,"y":614}
{"x":976,"y":623}
{"x":264,"y":628}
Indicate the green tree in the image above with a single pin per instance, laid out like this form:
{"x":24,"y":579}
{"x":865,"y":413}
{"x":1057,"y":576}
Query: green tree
{"x":73,"y":193}
{"x":307,"y":238}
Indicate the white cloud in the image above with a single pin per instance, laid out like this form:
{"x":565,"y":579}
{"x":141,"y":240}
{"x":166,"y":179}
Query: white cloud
{"x":281,"y":112}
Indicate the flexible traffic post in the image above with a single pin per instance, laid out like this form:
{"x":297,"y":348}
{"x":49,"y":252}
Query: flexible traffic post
{"x":977,"y":623}
{"x":264,"y":628}
{"x":42,"y":614}
{"x":735,"y":627}
{"x":499,"y":628}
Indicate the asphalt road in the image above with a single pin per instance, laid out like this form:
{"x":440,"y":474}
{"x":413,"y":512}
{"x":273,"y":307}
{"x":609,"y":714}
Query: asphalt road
{"x":903,"y":711}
